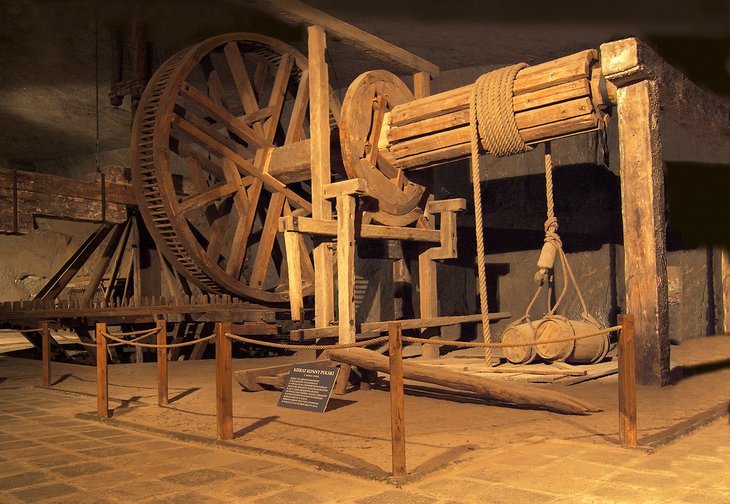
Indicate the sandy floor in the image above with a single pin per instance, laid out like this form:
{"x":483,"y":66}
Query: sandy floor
{"x":353,"y":435}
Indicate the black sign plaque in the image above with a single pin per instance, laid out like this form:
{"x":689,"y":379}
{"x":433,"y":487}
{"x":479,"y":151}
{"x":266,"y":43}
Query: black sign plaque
{"x":309,"y":388}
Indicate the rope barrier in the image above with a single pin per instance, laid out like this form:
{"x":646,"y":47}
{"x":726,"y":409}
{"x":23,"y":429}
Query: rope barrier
{"x":286,"y":346}
{"x":410,"y":339}
{"x":149,"y":345}
{"x":133,"y":333}
{"x":20,"y":330}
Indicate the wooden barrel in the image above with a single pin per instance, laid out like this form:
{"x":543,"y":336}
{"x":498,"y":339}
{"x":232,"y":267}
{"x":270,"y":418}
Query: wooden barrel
{"x":583,"y":351}
{"x":520,"y":333}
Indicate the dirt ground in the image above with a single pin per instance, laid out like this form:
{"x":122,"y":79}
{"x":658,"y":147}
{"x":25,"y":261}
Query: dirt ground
{"x":353,"y":435}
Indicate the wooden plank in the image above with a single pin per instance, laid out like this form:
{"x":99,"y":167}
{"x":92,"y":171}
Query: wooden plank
{"x":421,"y":85}
{"x":278,"y":92}
{"x":371,"y":44}
{"x":380,"y":327}
{"x":291,"y":163}
{"x":428,"y":126}
{"x":318,"y":227}
{"x":240,"y":77}
{"x":397,"y":407}
{"x":627,"y":383}
{"x":162,"y":373}
{"x":223,"y":382}
{"x":551,"y":95}
{"x":346,"y":268}
{"x":556,"y":130}
{"x":555,"y":72}
{"x":554,"y":113}
{"x":642,"y":201}
{"x":434,"y":157}
{"x":266,"y":242}
{"x":431,"y":142}
{"x":102,"y":373}
{"x":46,"y":355}
{"x":321,"y":171}
{"x":295,"y":129}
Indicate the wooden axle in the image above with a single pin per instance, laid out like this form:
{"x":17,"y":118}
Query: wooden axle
{"x":385,"y":132}
{"x":554,"y":99}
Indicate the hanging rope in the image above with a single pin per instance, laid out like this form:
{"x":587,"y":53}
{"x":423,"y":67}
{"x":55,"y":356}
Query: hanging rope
{"x":493,"y":129}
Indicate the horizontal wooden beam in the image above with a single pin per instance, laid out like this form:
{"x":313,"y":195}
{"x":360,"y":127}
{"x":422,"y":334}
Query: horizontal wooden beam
{"x":345,"y":188}
{"x":321,"y":227}
{"x":381,"y":327}
{"x":303,"y":13}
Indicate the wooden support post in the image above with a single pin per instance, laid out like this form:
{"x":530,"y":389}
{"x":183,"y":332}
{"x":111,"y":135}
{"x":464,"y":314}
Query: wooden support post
{"x":292,"y":242}
{"x":421,"y":85}
{"x":102,"y":375}
{"x":642,"y":201}
{"x":162,"y":375}
{"x":223,"y":381}
{"x":345,"y":280}
{"x":428,"y":294}
{"x":324,"y":311}
{"x":633,"y":69}
{"x":627,"y":383}
{"x":725,"y":275}
{"x":397,"y":413}
{"x":46,"y":350}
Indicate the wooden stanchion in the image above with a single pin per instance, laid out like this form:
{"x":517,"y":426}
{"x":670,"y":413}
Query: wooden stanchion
{"x":46,"y":350}
{"x":102,"y":376}
{"x":223,"y":381}
{"x":162,"y":375}
{"x":627,"y":383}
{"x":397,"y":416}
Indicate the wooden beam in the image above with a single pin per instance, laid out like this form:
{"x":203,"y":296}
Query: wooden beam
{"x":644,"y":236}
{"x":223,"y":381}
{"x":321,"y":172}
{"x":294,"y":272}
{"x":627,"y":430}
{"x":318,"y":227}
{"x":397,"y":408}
{"x":346,"y":268}
{"x":356,"y":37}
{"x":162,"y":374}
{"x":102,"y":373}
{"x":368,"y":328}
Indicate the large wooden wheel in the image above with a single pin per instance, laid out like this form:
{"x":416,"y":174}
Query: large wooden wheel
{"x":208,"y":126}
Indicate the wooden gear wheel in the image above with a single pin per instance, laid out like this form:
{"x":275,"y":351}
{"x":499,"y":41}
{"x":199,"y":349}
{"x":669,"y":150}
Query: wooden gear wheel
{"x":209,"y":123}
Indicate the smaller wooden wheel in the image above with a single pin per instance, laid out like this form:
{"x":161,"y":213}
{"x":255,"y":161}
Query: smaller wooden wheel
{"x":368,"y":99}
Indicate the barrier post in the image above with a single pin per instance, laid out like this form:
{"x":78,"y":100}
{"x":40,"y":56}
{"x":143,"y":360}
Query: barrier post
{"x":397,"y":416}
{"x":627,"y":383}
{"x":162,"y":375}
{"x":102,"y":377}
{"x":223,"y":381}
{"x":46,"y":351}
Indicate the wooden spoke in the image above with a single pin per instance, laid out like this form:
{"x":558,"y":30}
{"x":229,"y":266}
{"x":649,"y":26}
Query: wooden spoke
{"x":299,"y":112}
{"x":259,"y":78}
{"x":223,"y":116}
{"x":218,"y":231}
{"x":266,"y":242}
{"x":206,"y":136}
{"x":240,"y":77}
{"x":278,"y":93}
{"x":215,"y":87}
{"x":243,"y":230}
{"x":379,"y":106}
{"x":206,"y":198}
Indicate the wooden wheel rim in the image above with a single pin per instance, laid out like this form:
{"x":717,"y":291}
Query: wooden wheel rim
{"x":355,"y":128}
{"x":152,"y":136}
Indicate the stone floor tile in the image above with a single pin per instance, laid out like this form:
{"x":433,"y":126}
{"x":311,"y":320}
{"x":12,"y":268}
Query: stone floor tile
{"x":143,"y":489}
{"x":82,"y":469}
{"x":42,"y":493}
{"x":399,"y":496}
{"x":199,"y":477}
{"x":291,"y":475}
{"x":56,"y":460}
{"x":22,"y":480}
{"x":251,"y":487}
{"x":187,"y":498}
{"x":250,"y":465}
{"x":32,"y":452}
{"x":291,"y":497}
{"x":109,"y":451}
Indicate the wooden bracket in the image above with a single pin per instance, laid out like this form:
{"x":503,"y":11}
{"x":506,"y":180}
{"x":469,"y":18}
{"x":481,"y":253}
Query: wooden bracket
{"x":356,"y":186}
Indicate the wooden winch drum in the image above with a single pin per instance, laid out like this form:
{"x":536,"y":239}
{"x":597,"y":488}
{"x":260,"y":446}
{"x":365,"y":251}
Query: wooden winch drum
{"x":582,"y":351}
{"x":520,"y":333}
